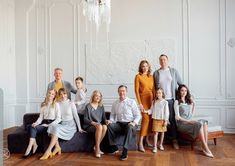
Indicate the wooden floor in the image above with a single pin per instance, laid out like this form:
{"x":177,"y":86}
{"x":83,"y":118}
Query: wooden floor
{"x":224,"y":153}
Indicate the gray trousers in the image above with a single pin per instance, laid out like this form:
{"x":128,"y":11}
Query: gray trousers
{"x":116,"y":129}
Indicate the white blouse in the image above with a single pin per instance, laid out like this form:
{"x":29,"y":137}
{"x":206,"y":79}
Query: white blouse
{"x":51,"y":113}
{"x":160,"y":110}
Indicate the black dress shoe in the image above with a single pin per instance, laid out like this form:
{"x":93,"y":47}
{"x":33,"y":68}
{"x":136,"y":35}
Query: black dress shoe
{"x":113,"y":150}
{"x":123,"y":157}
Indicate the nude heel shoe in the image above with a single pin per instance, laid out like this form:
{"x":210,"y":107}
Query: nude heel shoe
{"x":49,"y":155}
{"x":56,"y":151}
{"x":208,"y":154}
{"x":141,"y":149}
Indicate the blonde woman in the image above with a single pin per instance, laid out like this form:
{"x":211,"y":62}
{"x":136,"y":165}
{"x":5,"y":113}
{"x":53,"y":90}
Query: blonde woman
{"x":144,"y":91}
{"x":68,"y":126}
{"x":49,"y":114}
{"x":94,"y":120}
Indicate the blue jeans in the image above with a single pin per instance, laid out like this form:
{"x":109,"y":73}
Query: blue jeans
{"x":33,"y":131}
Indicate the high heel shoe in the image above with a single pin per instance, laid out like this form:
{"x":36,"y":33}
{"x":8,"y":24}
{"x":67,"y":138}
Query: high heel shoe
{"x":98,"y":155}
{"x":27,"y":155}
{"x":49,"y":155}
{"x":141,"y":149}
{"x":35,"y":150}
{"x":208,"y":154}
{"x":56,"y":151}
{"x":100,"y":152}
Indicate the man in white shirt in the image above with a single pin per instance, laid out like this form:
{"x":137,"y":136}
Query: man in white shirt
{"x":168,"y":79}
{"x":124,"y":119}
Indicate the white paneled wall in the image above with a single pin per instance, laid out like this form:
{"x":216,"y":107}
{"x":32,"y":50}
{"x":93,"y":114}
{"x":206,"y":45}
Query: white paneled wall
{"x":198,"y":36}
{"x":7,"y":61}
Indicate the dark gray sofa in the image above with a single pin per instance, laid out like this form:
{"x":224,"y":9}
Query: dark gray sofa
{"x":81,"y":142}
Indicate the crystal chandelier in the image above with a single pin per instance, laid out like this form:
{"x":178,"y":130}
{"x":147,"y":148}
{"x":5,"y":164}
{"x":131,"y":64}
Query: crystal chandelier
{"x":97,"y":11}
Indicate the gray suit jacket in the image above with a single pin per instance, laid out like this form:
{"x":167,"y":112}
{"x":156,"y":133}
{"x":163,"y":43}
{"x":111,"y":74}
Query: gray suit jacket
{"x":176,"y":80}
{"x":67,"y":85}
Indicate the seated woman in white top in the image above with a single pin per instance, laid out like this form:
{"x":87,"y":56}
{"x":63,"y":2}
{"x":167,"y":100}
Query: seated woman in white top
{"x":66,"y":128}
{"x":49,"y":115}
{"x":80,"y":97}
{"x":184,"y":108}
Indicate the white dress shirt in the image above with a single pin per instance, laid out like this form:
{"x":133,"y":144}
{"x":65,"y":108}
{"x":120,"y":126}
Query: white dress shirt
{"x":160,"y":110}
{"x":80,"y":97}
{"x":49,"y":112}
{"x":125,"y":111}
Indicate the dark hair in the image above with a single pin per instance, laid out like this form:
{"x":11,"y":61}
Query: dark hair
{"x":62,"y":90}
{"x":79,"y":78}
{"x":188,"y":98}
{"x":140,"y":67}
{"x":121,"y":86}
{"x":163,"y":55}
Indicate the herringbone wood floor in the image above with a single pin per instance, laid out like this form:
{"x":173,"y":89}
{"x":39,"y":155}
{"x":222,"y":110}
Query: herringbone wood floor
{"x":224,"y":153}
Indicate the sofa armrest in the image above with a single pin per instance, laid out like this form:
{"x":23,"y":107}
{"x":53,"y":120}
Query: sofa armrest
{"x":107,"y":114}
{"x":29,"y":118}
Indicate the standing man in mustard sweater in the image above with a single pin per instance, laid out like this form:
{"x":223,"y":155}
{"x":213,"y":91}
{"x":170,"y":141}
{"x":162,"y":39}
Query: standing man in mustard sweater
{"x":168,"y":79}
{"x":59,"y":83}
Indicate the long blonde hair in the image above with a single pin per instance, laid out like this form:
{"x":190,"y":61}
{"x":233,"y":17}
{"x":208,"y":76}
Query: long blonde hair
{"x":46,"y":100}
{"x":95,"y":92}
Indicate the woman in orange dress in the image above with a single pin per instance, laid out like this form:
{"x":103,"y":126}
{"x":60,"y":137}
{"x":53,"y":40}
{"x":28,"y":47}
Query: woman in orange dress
{"x":144,"y":90}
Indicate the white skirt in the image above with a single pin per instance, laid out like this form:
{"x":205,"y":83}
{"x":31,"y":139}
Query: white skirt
{"x":64,"y":130}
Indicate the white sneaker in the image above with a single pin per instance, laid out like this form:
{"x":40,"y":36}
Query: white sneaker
{"x":161,"y":147}
{"x":154,"y":149}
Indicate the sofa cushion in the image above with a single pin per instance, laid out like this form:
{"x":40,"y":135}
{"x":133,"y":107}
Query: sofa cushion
{"x":81,"y":142}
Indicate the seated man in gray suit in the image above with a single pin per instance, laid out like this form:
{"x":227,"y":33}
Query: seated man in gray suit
{"x":124,"y":118}
{"x":59,"y":83}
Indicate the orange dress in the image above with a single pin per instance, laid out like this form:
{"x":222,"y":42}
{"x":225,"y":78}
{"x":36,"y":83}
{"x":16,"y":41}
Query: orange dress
{"x":144,"y":91}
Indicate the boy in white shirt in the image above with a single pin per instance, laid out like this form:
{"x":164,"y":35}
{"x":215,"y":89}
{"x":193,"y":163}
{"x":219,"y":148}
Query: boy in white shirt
{"x":80,"y":97}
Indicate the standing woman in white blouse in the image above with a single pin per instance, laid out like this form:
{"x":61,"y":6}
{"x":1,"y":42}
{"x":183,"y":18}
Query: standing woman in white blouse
{"x":66,"y":129}
{"x":49,"y":115}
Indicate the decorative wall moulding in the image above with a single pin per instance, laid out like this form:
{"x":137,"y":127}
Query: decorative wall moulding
{"x":127,"y":54}
{"x":230,"y":116}
{"x":231,"y":42}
